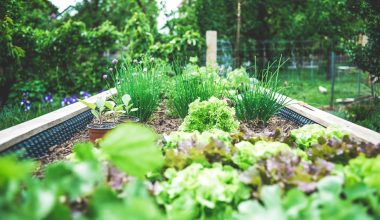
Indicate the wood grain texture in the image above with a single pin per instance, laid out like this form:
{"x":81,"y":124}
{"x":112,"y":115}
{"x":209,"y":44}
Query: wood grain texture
{"x":23,"y":131}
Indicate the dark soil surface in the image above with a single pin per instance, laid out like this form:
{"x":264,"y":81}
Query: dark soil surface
{"x":162,"y":123}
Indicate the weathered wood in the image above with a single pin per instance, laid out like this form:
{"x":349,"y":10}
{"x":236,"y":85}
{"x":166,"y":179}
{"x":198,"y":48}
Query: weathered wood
{"x":23,"y":131}
{"x":326,"y":119}
{"x":211,"y":43}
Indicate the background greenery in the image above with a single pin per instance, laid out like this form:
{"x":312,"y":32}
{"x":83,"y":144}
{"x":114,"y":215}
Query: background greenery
{"x":43,"y":51}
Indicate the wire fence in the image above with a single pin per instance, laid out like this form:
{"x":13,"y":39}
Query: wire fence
{"x":310,"y":74}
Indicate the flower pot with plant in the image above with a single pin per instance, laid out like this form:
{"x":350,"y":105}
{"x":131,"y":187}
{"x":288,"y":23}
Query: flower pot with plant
{"x":100,"y":126}
{"x":127,"y":106}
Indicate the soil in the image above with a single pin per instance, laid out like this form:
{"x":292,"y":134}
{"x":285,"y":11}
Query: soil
{"x":162,"y":123}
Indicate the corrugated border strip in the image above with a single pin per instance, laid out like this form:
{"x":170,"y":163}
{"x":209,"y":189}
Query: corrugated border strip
{"x":38,"y":145}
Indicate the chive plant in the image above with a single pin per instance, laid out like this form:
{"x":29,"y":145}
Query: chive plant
{"x":187,"y":88}
{"x":263,"y":99}
{"x":143,"y":81}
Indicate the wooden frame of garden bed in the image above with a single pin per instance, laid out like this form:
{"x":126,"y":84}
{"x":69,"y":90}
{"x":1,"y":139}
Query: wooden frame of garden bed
{"x":21,"y":132}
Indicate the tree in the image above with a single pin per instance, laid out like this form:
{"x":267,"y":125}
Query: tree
{"x":367,"y":56}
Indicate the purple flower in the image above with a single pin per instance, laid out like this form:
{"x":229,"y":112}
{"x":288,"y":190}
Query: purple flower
{"x":110,"y":69}
{"x":105,"y":76}
{"x":26,"y":104}
{"x":48,"y":98}
{"x":114,"y":61}
{"x":25,"y":94}
{"x":73,"y":98}
{"x":53,"y":16}
{"x":85,"y":94}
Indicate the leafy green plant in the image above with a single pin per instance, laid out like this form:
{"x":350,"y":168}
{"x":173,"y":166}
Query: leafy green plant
{"x":82,"y":181}
{"x":238,"y":78}
{"x":183,"y":148}
{"x":97,"y":109}
{"x":144,"y":83}
{"x":195,"y":186}
{"x":362,"y":170}
{"x":296,"y":205}
{"x":213,"y":113}
{"x":264,"y":99}
{"x":309,"y":135}
{"x":248,"y":154}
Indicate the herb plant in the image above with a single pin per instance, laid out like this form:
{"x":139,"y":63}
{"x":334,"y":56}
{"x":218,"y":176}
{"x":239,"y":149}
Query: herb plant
{"x":263,"y":100}
{"x":206,"y":115}
{"x":143,"y":82}
{"x":192,"y":85}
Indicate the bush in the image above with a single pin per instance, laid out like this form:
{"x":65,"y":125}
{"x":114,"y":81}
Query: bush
{"x":210,"y":114}
{"x":144,"y":83}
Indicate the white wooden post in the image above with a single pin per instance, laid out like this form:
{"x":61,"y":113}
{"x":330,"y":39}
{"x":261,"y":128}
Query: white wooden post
{"x":211,"y":43}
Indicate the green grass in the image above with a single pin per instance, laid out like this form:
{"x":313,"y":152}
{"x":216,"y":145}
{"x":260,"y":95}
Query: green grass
{"x":303,"y":85}
{"x":13,"y":115}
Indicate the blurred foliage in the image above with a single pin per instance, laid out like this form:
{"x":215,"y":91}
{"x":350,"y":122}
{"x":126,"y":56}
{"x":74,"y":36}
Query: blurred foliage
{"x":365,"y":55}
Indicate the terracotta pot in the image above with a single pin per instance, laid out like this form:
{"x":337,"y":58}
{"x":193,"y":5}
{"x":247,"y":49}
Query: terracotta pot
{"x":97,"y":131}
{"x":127,"y":118}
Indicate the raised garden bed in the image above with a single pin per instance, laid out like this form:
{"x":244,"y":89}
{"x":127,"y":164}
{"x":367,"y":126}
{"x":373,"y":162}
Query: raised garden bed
{"x":205,"y":166}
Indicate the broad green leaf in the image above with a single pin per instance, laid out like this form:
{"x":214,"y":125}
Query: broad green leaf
{"x":88,"y":104}
{"x":13,"y":169}
{"x":132,"y":148}
{"x":100,"y":102}
{"x":110,"y":105}
{"x":126,"y":99}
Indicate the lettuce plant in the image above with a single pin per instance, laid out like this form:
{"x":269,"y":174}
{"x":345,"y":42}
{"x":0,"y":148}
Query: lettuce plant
{"x":238,"y":77}
{"x":308,"y":135}
{"x":184,"y":148}
{"x":248,"y":154}
{"x":325,"y":204}
{"x":362,"y":170}
{"x":210,"y":192}
{"x":206,"y":115}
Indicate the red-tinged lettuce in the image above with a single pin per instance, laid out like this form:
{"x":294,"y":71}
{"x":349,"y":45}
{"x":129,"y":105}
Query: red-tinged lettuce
{"x":341,"y":151}
{"x":248,"y":154}
{"x":183,"y":148}
{"x":308,"y":135}
{"x":289,"y":170}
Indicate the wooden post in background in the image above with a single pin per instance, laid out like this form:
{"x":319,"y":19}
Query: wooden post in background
{"x":237,"y":44}
{"x":211,"y":43}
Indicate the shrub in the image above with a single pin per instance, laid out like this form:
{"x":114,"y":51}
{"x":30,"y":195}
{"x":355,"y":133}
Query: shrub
{"x":263,"y":100}
{"x":144,"y":83}
{"x":187,"y":88}
{"x":210,"y":114}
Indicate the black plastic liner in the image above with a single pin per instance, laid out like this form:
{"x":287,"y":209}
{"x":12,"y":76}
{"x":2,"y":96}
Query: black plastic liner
{"x":38,"y":145}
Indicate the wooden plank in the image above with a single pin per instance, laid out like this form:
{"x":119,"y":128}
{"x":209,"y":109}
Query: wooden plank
{"x":23,"y":131}
{"x":326,"y":119}
{"x":211,"y":43}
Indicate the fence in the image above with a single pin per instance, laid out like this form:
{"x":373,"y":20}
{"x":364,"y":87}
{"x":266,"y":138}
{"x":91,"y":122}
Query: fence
{"x":310,"y":74}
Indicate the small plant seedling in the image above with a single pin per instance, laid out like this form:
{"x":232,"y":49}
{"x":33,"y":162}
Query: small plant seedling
{"x":97,"y":109}
{"x":126,"y":99}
